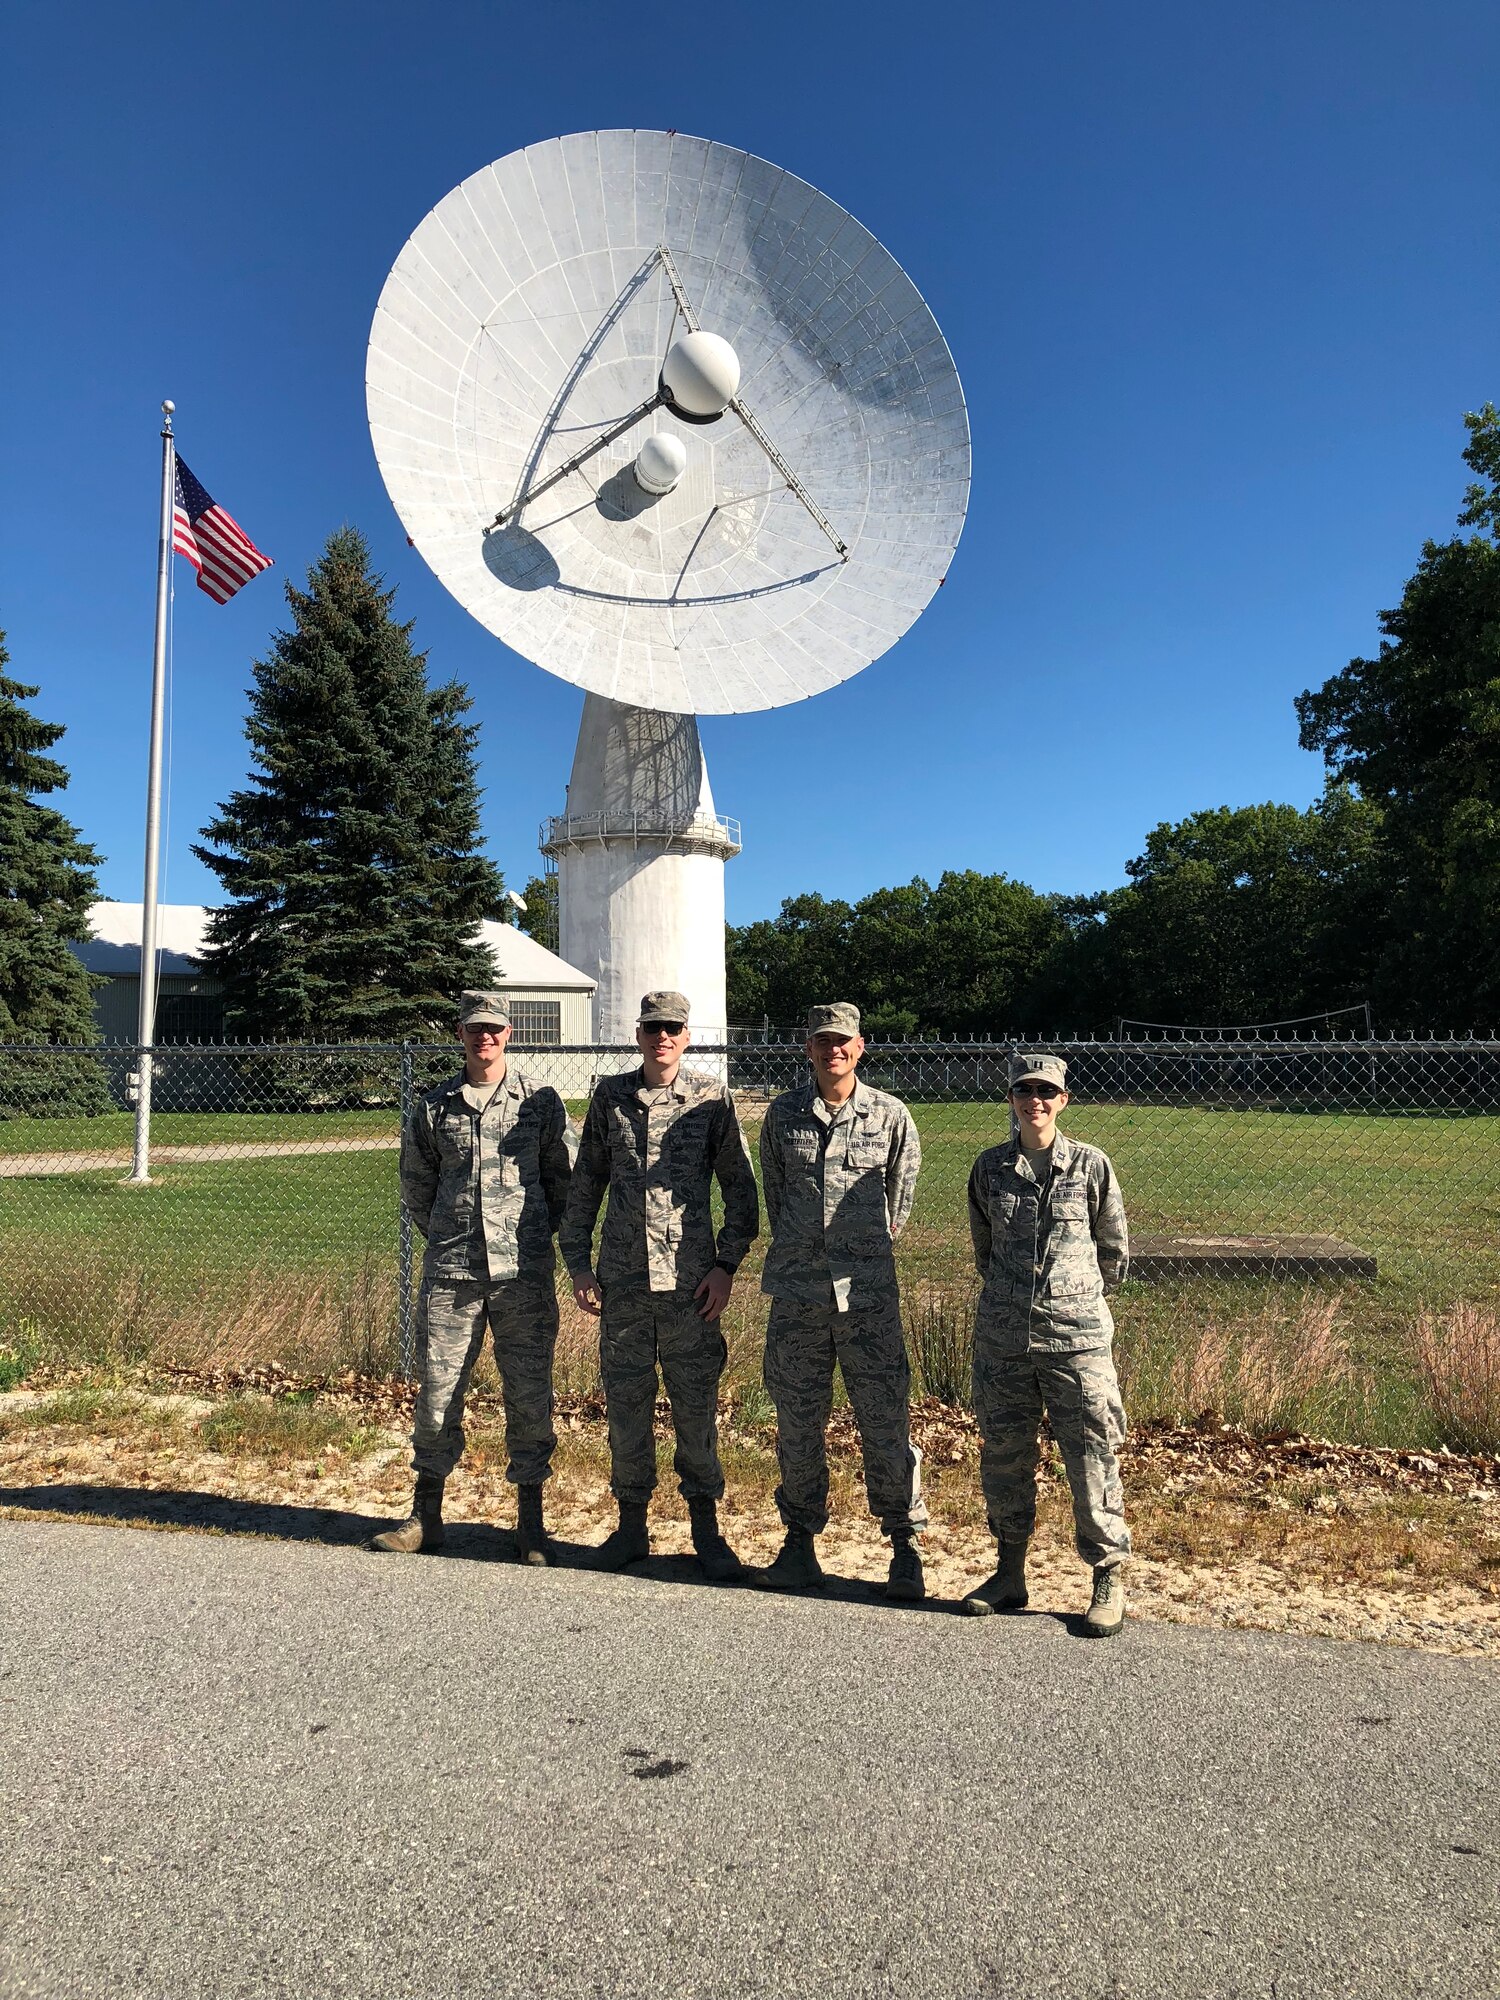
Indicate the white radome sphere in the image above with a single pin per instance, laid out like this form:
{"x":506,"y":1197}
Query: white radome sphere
{"x":702,"y":374}
{"x":660,"y":462}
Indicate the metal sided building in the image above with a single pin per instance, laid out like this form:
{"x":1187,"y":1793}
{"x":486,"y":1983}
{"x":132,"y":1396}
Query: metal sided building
{"x":551,"y":1002}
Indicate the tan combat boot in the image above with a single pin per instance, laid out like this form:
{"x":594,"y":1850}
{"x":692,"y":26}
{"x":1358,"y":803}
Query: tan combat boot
{"x":422,"y":1530}
{"x":1106,"y":1612}
{"x":1006,"y":1589}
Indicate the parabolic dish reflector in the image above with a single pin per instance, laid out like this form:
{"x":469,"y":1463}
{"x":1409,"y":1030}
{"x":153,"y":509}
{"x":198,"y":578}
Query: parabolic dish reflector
{"x":524,"y":350}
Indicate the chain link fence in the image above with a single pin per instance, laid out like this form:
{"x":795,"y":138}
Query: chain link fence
{"x":1309,"y":1205}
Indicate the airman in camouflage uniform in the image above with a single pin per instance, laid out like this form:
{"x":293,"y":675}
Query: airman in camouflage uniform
{"x":655,"y":1139}
{"x":485,"y":1164}
{"x":839,"y":1166}
{"x":1050,"y":1241}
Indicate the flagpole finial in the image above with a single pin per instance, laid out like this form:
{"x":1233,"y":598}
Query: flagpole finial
{"x":166,"y":409}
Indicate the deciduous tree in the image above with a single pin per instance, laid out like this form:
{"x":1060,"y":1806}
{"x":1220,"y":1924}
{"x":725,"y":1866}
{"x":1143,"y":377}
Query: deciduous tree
{"x":539,"y":918}
{"x":1233,"y":916}
{"x":1416,"y":729}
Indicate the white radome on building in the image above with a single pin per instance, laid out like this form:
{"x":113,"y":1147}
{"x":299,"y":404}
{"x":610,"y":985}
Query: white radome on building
{"x":676,"y":427}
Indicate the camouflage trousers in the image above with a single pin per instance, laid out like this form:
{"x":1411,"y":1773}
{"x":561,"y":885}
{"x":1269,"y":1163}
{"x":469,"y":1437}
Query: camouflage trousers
{"x":1081,"y":1397}
{"x":452,"y":1315}
{"x":640,"y":1329}
{"x":803,"y":1343}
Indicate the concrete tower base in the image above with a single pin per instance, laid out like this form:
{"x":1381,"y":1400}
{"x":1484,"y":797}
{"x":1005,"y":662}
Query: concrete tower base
{"x":640,"y":856}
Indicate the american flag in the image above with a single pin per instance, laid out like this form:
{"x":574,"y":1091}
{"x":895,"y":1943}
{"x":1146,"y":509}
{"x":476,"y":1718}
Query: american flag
{"x":213,"y":541}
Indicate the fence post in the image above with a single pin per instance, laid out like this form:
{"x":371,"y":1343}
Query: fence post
{"x":405,"y":1316}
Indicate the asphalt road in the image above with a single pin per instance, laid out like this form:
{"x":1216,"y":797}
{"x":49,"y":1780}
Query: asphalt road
{"x":249,"y":1767}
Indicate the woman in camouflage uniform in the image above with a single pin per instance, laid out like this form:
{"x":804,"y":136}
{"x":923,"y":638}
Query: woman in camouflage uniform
{"x":1050,"y":1241}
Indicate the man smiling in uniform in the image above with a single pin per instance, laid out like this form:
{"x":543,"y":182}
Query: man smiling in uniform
{"x":485,"y":1160}
{"x":654,"y":1140}
{"x":839,"y":1166}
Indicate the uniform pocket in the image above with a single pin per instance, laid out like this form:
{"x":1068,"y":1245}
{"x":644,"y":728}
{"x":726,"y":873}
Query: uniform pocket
{"x":454,"y":1138}
{"x":521,"y":1155}
{"x":686,"y":1146}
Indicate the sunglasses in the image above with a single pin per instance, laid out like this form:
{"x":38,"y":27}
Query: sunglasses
{"x":1046,"y":1091}
{"x":673,"y":1028}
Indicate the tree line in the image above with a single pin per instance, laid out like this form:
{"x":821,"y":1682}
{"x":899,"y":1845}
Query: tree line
{"x":355,"y":877}
{"x":1386,"y":890}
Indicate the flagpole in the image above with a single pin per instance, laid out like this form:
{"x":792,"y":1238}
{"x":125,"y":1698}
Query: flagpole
{"x":140,"y":1170}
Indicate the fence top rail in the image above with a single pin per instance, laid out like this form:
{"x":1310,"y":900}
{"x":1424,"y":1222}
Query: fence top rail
{"x":999,"y":1050}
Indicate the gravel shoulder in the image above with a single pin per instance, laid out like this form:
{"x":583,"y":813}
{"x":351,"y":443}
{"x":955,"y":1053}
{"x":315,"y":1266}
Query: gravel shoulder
{"x":1283,"y":1536}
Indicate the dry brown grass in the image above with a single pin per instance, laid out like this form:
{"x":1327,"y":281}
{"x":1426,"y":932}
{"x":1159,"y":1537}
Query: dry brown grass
{"x":1294,"y":1359}
{"x":1287,"y":1367}
{"x":1458,"y":1358}
{"x":940,"y":1331}
{"x":314,"y":1321}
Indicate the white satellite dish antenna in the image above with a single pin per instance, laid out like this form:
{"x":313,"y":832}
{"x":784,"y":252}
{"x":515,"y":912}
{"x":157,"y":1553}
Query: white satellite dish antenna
{"x":673,"y":425}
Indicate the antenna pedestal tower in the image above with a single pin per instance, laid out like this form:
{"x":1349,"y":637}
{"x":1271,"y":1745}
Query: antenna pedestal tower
{"x":640,"y":856}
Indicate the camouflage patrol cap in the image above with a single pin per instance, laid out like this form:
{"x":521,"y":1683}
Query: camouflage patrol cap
{"x":1038,"y":1069}
{"x":665,"y":1006}
{"x":483,"y":1010}
{"x":839,"y":1017}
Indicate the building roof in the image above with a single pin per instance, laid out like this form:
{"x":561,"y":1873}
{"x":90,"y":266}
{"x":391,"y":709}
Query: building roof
{"x":524,"y":962}
{"x":115,"y":948}
{"x":179,"y":927}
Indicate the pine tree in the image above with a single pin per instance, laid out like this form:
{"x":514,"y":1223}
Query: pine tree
{"x":353,"y":865}
{"x":47,"y":884}
{"x":46,"y":887}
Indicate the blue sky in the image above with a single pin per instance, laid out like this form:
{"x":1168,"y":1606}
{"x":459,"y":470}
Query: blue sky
{"x":1219,"y":281}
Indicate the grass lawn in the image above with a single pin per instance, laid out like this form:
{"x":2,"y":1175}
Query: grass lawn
{"x":1422,"y":1193}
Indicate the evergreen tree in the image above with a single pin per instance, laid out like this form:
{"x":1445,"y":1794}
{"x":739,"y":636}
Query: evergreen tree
{"x":46,"y":887}
{"x":47,"y":884}
{"x":354,"y":864}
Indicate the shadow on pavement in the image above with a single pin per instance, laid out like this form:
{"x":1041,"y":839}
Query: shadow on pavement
{"x":465,"y":1541}
{"x":472,"y":1541}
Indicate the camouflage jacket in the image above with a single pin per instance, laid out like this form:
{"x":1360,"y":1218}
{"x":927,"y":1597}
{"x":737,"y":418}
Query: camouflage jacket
{"x":1047,"y":1254}
{"x":839,"y":1182}
{"x":656,"y":1153}
{"x":487,"y":1191}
